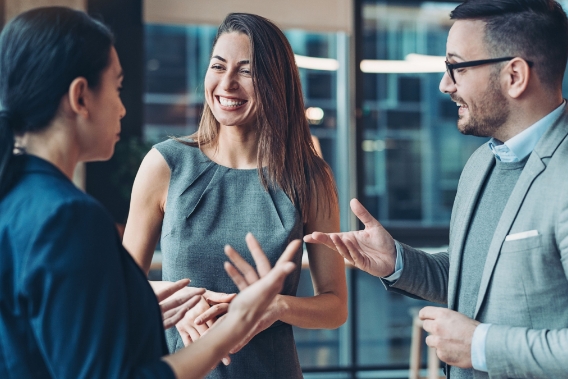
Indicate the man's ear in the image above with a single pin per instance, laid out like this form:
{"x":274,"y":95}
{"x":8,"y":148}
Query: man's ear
{"x":518,"y":74}
{"x":78,"y":96}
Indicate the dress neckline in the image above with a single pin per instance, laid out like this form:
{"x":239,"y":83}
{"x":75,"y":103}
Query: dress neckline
{"x":225,"y":167}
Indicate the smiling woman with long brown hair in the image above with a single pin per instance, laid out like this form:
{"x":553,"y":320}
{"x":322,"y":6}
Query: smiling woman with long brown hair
{"x":250,"y":167}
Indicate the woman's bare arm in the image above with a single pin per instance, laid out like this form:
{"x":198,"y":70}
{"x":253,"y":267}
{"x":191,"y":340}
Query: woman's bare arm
{"x":147,"y":207}
{"x":328,"y":307}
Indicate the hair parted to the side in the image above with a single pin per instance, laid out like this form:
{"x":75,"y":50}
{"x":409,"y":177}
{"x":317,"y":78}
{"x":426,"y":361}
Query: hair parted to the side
{"x":41,"y":52}
{"x":535,"y":30}
{"x":285,"y":147}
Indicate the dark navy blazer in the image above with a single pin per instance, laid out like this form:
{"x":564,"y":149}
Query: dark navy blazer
{"x":73,"y":303}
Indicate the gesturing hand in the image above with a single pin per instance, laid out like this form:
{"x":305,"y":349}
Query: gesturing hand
{"x":255,"y":308}
{"x":371,"y":250}
{"x":176,"y":299}
{"x":189,"y":329}
{"x":450,"y":334}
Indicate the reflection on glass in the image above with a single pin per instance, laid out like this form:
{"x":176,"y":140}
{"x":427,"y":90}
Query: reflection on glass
{"x":411,"y":177}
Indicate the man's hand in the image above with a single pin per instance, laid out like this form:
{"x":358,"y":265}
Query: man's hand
{"x":450,"y":334}
{"x":371,"y":250}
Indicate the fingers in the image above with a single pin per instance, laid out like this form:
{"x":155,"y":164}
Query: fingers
{"x":341,"y":248}
{"x":175,"y":315}
{"x":188,"y":334}
{"x":212,"y":313}
{"x":236,"y":276}
{"x":260,"y":260}
{"x":179,"y":300}
{"x":171,"y":288}
{"x":363,"y":214}
{"x":185,"y":339}
{"x":433,"y":341}
{"x":249,"y":273}
{"x":429,"y":326}
{"x":193,"y":334}
{"x":218,"y":297}
{"x":430,"y":313}
{"x":289,"y":253}
{"x":321,"y":238}
{"x":355,"y":252}
{"x":274,"y":280}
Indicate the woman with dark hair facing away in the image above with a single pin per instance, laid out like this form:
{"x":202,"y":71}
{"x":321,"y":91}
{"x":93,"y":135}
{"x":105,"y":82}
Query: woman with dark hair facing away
{"x":73,"y":303}
{"x":250,"y":167}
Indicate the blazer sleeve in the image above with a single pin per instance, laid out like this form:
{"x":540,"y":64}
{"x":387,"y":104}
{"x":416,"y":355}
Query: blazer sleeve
{"x":424,"y":276}
{"x":75,"y":292}
{"x":517,"y":352}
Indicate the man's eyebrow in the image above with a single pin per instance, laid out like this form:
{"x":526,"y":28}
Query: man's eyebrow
{"x":452,"y":55}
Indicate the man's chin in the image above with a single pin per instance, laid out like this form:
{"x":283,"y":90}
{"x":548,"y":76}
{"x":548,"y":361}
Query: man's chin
{"x":473,"y":130}
{"x":463,"y":127}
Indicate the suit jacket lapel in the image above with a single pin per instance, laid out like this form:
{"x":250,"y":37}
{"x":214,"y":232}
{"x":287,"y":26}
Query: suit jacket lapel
{"x":535,"y":165}
{"x":481,"y":167}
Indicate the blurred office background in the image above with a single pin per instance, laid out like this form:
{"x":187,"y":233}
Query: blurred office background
{"x":370,"y":71}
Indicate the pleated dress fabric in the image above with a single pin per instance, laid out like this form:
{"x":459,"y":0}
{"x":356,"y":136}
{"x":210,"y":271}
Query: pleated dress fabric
{"x":210,"y":206}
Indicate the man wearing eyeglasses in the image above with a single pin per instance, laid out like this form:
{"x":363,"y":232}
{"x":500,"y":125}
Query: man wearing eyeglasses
{"x":504,"y":277}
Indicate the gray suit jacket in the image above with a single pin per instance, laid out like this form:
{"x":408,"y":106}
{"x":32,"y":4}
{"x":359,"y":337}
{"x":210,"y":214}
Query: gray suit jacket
{"x":524,"y":287}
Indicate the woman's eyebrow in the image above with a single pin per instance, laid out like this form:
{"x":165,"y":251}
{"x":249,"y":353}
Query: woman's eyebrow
{"x":244,"y":61}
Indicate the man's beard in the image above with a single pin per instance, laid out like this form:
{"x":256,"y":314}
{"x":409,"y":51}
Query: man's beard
{"x":487,"y":115}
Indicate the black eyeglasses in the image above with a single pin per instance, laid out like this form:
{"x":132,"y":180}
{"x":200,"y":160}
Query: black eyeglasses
{"x":450,"y":67}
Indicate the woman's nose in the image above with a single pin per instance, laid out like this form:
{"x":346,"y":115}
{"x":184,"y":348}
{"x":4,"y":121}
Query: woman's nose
{"x":229,"y":82}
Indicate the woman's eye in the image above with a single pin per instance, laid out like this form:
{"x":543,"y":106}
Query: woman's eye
{"x":460,"y":70}
{"x":216,"y":67}
{"x":245,"y":71}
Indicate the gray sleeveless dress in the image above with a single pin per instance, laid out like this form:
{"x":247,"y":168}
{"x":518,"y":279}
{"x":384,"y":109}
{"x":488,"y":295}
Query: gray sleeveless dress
{"x":209,"y":206}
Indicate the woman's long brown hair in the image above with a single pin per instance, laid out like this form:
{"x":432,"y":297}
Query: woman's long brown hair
{"x":284,"y":141}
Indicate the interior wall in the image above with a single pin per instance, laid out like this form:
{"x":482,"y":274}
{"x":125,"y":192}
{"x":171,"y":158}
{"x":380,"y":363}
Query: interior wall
{"x":15,"y":7}
{"x":315,"y":15}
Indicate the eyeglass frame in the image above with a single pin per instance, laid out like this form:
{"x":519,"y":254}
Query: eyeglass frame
{"x":450,"y":67}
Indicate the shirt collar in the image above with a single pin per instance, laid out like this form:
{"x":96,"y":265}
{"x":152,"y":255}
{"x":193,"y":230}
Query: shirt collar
{"x":31,"y":163}
{"x":520,"y":146}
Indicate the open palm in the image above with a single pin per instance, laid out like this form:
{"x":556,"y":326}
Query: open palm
{"x":371,"y":250}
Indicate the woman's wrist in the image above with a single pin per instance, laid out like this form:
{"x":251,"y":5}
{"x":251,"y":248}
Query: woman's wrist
{"x":281,"y":307}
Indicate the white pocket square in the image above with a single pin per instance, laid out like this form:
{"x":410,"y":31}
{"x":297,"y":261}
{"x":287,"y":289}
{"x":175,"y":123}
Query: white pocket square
{"x":521,"y":235}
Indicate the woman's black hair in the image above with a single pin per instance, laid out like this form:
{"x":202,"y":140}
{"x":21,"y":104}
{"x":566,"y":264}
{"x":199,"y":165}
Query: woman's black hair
{"x":41,"y":52}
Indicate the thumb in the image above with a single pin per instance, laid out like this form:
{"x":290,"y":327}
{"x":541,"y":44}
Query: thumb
{"x":363,"y":214}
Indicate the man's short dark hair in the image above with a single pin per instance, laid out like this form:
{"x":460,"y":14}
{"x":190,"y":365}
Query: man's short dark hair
{"x":536,"y":30}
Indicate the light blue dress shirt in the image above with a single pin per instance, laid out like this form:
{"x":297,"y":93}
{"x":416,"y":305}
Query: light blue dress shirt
{"x":514,"y":150}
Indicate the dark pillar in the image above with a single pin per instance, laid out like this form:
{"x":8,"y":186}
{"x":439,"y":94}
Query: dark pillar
{"x":358,"y":88}
{"x":110,"y":182}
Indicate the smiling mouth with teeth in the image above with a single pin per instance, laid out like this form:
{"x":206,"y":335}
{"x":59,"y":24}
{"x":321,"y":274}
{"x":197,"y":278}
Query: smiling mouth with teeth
{"x":232,"y":103}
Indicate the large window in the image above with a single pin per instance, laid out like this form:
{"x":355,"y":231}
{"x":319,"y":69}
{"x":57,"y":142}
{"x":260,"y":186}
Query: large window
{"x":413,"y":152}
